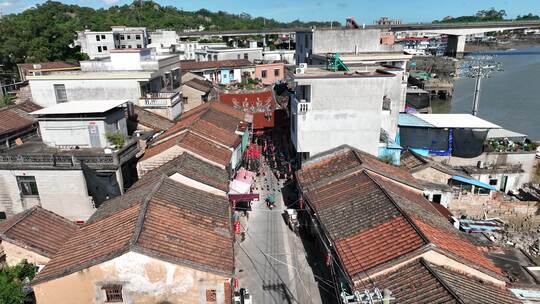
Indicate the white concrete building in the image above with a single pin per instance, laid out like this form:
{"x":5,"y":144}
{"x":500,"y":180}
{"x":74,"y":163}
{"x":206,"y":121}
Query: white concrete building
{"x":226,"y":53}
{"x":98,"y":44}
{"x":330,"y":109}
{"x":279,"y":55}
{"x":151,"y":81}
{"x":72,"y":168}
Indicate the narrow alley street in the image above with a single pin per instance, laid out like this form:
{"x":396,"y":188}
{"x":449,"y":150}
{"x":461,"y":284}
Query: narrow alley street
{"x":271,"y":261}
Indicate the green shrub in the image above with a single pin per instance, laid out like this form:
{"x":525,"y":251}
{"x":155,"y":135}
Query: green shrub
{"x":116,"y":139}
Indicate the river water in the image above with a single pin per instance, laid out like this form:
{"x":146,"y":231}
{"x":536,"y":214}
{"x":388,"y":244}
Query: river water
{"x":510,"y":98}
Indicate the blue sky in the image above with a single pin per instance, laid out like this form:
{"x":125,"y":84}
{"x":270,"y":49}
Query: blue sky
{"x":365,"y":11}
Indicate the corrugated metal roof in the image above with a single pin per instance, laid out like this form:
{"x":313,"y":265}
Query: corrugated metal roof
{"x":80,"y":107}
{"x":473,"y":182}
{"x":502,"y":133}
{"x":409,"y":120}
{"x":467,"y":121}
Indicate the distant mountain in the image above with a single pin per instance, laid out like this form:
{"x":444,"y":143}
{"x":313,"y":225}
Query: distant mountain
{"x":44,"y":33}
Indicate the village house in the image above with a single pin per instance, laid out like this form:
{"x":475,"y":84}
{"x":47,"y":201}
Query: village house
{"x":375,"y":227}
{"x":270,"y":73}
{"x":17,"y":124}
{"x":253,"y":53}
{"x":221,"y":71}
{"x":213,"y":132}
{"x":196,"y":91}
{"x":259,"y":105}
{"x":34,"y":235}
{"x":99,"y":44}
{"x":148,"y":80}
{"x":164,"y":241}
{"x":446,"y":185}
{"x":279,"y":55}
{"x":73,"y":165}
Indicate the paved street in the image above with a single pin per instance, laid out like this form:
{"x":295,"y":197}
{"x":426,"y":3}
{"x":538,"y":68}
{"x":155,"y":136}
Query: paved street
{"x":271,"y":261}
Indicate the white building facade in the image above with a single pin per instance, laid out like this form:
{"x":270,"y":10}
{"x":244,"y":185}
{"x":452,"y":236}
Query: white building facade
{"x":98,"y":44}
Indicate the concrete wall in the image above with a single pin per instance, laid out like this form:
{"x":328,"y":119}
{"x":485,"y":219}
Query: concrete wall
{"x":270,"y":78}
{"x":230,"y":54}
{"x":143,"y":279}
{"x":348,"y":115}
{"x":15,"y":254}
{"x":194,"y":97}
{"x":89,"y":89}
{"x":527,"y":160}
{"x":89,"y":43}
{"x":61,"y":191}
{"x":288,"y":55}
{"x":432,"y":175}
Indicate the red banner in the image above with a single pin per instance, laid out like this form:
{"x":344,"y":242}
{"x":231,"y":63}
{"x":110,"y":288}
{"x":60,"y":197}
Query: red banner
{"x":244,"y":197}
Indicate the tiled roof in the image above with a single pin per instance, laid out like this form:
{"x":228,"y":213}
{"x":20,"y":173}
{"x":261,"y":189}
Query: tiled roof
{"x":190,"y":65}
{"x":198,"y":84}
{"x":151,"y":120}
{"x":16,"y":117}
{"x":374,"y":216}
{"x":208,"y":130}
{"x":46,"y":65}
{"x":421,"y":282}
{"x":166,"y":220}
{"x":414,"y":162}
{"x":37,"y":229}
{"x":344,"y":160}
{"x":191,"y":167}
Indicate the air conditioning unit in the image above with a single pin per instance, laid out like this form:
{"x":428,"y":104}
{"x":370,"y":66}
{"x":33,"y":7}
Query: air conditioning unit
{"x":303,"y":65}
{"x":299,"y":71}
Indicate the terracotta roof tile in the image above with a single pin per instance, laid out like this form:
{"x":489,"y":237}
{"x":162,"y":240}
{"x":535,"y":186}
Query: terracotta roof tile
{"x":165,"y":219}
{"x":422,"y":282}
{"x":373,"y":215}
{"x":191,"y":167}
{"x":16,"y":117}
{"x":152,"y":120}
{"x":208,"y":130}
{"x":46,"y":65}
{"x":376,"y":245}
{"x":198,"y":84}
{"x":43,"y":231}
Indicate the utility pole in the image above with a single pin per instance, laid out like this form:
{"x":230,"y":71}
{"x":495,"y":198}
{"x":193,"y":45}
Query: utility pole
{"x":477,"y":85}
{"x":479,"y":67}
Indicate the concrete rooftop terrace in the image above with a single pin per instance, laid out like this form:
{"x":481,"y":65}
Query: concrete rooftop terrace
{"x":355,"y":72}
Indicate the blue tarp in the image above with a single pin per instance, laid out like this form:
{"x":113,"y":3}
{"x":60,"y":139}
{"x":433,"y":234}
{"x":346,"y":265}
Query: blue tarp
{"x":473,"y":182}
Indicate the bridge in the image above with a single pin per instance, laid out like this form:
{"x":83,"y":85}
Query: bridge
{"x":456,"y":31}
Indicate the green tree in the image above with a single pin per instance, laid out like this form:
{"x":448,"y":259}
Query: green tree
{"x":12,"y":280}
{"x":529,"y":16}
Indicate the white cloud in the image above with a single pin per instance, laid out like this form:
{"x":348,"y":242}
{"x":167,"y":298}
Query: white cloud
{"x":5,"y":4}
{"x":110,"y":2}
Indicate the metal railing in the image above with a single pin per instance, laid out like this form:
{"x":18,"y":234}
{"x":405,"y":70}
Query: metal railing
{"x":159,"y":99}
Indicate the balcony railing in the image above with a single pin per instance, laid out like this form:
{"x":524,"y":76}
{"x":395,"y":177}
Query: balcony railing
{"x":65,"y":159}
{"x":160,"y":99}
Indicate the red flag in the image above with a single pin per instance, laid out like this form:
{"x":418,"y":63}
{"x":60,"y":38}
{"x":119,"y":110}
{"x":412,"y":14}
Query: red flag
{"x":237,"y":227}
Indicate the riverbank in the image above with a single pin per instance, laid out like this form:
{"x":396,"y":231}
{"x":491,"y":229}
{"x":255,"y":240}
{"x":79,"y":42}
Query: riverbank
{"x":519,"y":43}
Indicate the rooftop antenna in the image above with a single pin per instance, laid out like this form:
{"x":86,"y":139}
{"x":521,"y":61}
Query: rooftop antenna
{"x":479,"y":67}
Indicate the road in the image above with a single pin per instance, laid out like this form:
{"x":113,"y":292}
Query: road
{"x":271,"y":262}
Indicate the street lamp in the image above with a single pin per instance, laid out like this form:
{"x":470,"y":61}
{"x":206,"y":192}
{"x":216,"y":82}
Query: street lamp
{"x":479,"y":67}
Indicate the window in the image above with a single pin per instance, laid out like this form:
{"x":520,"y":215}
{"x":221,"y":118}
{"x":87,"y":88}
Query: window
{"x":60,"y":92}
{"x":237,"y":56}
{"x":138,"y":37}
{"x":493,"y":182}
{"x":99,"y":49}
{"x":263,"y":74}
{"x":129,"y":46}
{"x":128,"y":37}
{"x":27,"y":185}
{"x":122,"y":37}
{"x":123,"y":46}
{"x":103,"y":37}
{"x":215,"y":57}
{"x":113,"y":293}
{"x":276,"y":72}
{"x":97,"y":37}
{"x":211,"y":295}
{"x":104,"y":47}
{"x":246,"y":56}
{"x":139,"y":46}
{"x":437,"y":198}
{"x":2,"y":215}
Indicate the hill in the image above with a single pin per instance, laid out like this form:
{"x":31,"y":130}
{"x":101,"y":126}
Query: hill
{"x":45,"y":32}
